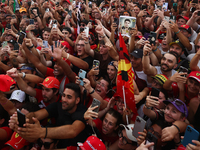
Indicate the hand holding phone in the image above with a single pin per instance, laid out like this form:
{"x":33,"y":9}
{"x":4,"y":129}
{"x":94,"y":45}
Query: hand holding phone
{"x":96,"y":102}
{"x":139,"y":126}
{"x":81,"y":75}
{"x":155,"y":92}
{"x":183,"y":70}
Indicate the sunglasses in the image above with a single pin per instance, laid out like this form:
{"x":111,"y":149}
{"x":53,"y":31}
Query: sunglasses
{"x":124,"y":139}
{"x":46,"y":144}
{"x":178,"y":103}
{"x":81,"y":45}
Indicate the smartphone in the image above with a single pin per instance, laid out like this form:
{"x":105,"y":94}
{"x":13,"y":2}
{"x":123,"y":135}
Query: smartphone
{"x":165,"y":6}
{"x":151,"y":138}
{"x":152,"y":38}
{"x":198,"y":13}
{"x":70,"y":13}
{"x":24,"y":17}
{"x":96,"y":102}
{"x":54,"y":26}
{"x":86,"y":29}
{"x":190,"y":134}
{"x":16,"y":46}
{"x":31,"y":21}
{"x":139,"y":126}
{"x":47,"y":10}
{"x":175,"y":7}
{"x":8,"y":26}
{"x":155,"y":92}
{"x":104,"y":11}
{"x":144,"y":7}
{"x":195,"y":1}
{"x":183,"y":70}
{"x":90,"y":4}
{"x":167,"y":18}
{"x":21,"y":118}
{"x":13,"y":17}
{"x":159,"y":7}
{"x":81,"y":30}
{"x":81,"y":75}
{"x":21,"y":37}
{"x":95,"y":64}
{"x":173,"y":18}
{"x":4,"y":44}
{"x":192,"y":9}
{"x":57,"y":4}
{"x":116,"y":20}
{"x":113,"y":7}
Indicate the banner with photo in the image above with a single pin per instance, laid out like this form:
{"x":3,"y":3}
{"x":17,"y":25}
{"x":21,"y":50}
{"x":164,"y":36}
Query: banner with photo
{"x":126,"y":23}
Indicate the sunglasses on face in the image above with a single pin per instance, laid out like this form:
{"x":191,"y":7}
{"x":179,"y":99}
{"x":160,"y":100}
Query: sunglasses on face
{"x":81,"y":45}
{"x":46,"y":144}
{"x":124,"y":139}
{"x":83,"y":25}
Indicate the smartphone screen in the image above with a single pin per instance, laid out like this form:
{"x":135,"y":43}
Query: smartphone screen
{"x":21,"y":118}
{"x":4,"y":44}
{"x":31,"y":21}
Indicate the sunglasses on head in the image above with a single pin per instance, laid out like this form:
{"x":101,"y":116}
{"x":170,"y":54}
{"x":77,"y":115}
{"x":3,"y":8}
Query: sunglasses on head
{"x":46,"y":144}
{"x":178,"y":103}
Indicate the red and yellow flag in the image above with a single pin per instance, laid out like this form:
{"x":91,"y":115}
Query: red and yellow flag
{"x":125,"y":77}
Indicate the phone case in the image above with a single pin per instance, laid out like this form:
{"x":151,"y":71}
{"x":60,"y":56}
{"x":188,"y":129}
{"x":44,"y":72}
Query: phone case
{"x":96,"y":102}
{"x":21,"y":118}
{"x":139,"y":126}
{"x":81,"y":75}
{"x":31,"y":21}
{"x":21,"y":37}
{"x":86,"y":29}
{"x":95,"y":64}
{"x":190,"y":134}
{"x":152,"y":38}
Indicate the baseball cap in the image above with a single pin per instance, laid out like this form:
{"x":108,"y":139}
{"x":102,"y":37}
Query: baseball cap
{"x":138,"y":53}
{"x":186,"y":27}
{"x":180,"y":105}
{"x":22,"y":9}
{"x":184,"y":17}
{"x":17,"y":142}
{"x":129,"y":130}
{"x":51,"y":82}
{"x":92,"y":143}
{"x":18,"y":95}
{"x":195,"y":75}
{"x":65,"y":43}
{"x":178,"y":43}
{"x":161,"y":78}
{"x":11,"y":41}
{"x":6,"y":83}
{"x":84,"y":21}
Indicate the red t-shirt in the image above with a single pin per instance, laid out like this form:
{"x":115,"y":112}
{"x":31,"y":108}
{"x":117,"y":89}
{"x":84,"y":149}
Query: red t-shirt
{"x":9,"y":134}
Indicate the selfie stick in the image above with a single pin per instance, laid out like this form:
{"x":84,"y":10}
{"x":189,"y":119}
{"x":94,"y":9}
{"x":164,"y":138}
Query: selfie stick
{"x":125,"y":103}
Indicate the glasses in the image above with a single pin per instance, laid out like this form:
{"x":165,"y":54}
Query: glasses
{"x":154,"y":132}
{"x":81,"y":45}
{"x":197,"y":47}
{"x":101,"y":84}
{"x":124,"y":139}
{"x":46,"y":144}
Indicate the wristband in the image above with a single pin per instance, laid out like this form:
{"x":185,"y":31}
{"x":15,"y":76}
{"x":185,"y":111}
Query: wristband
{"x":23,"y":75}
{"x":86,"y":42}
{"x":91,"y":92}
{"x":146,"y":106}
{"x":177,"y":32}
{"x":177,"y":128}
{"x":31,"y":46}
{"x":27,"y":31}
{"x":67,"y":56}
{"x":155,"y":49}
{"x":45,"y":133}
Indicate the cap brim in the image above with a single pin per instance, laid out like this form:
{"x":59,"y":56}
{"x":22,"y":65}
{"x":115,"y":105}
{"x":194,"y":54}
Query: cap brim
{"x":129,"y":133}
{"x":135,"y":55}
{"x":167,"y":102}
{"x":194,"y":78}
{"x":158,"y":79}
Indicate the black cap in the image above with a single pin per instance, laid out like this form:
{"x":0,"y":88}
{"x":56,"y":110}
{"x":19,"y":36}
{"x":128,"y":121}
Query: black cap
{"x":138,"y":53}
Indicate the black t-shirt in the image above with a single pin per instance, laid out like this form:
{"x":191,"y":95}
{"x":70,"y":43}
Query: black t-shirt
{"x":64,"y":118}
{"x":88,"y":59}
{"x":103,"y":64}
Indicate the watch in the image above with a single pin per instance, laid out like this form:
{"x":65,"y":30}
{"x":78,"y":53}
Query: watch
{"x":23,"y":75}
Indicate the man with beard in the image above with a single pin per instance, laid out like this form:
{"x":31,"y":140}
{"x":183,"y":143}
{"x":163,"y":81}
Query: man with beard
{"x":70,"y":123}
{"x":168,"y":63}
{"x":178,"y":48}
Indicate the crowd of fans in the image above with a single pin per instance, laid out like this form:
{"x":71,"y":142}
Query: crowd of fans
{"x":58,"y":56}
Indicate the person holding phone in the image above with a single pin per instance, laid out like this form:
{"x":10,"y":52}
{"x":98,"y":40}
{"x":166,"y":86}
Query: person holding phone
{"x":190,"y":85}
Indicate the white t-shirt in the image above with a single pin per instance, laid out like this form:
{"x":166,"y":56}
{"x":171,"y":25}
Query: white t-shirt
{"x":190,"y":58}
{"x":158,"y":68}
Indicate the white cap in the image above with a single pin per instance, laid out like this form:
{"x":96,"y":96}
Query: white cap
{"x":129,"y":130}
{"x":18,"y":95}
